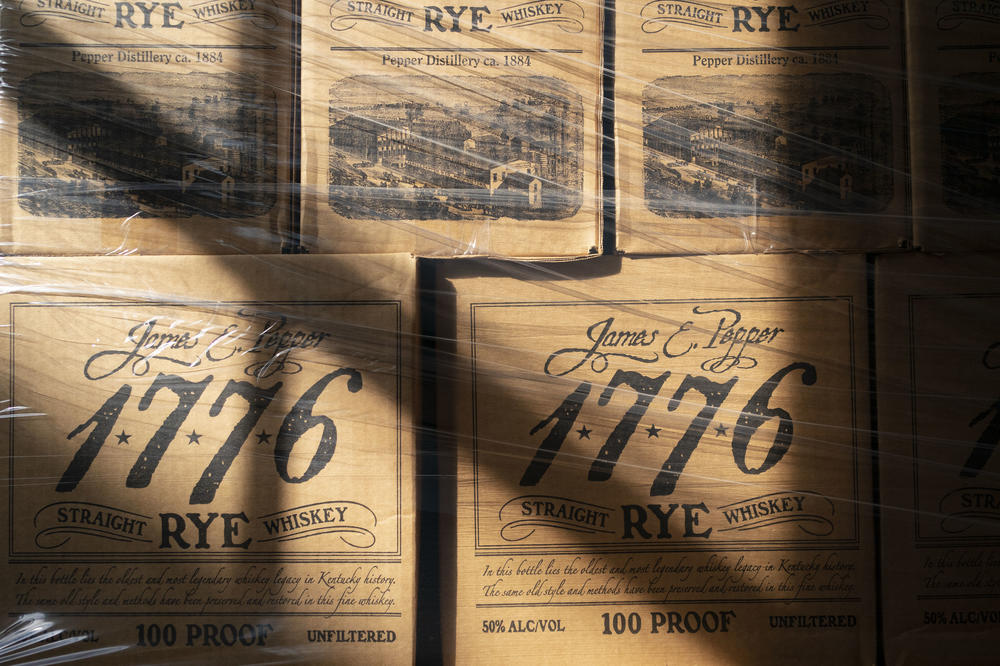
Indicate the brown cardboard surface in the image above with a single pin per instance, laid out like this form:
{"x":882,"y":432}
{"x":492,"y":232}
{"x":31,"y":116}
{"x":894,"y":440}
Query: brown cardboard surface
{"x":153,"y":129}
{"x":212,"y":460}
{"x":954,"y":82}
{"x":662,"y":459}
{"x":472,"y":130}
{"x":937,"y":410}
{"x":753,"y":128}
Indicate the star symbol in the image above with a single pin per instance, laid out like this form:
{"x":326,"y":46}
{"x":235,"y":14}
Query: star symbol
{"x":194,"y":438}
{"x":584,"y":432}
{"x":123,"y":438}
{"x":720,"y":430}
{"x":653,"y":431}
{"x":263,"y":437}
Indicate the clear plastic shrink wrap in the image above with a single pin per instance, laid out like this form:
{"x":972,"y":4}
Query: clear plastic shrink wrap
{"x":535,"y":331}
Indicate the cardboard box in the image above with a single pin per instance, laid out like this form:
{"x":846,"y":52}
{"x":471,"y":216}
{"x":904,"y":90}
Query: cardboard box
{"x":462,"y":130}
{"x":752,"y":128}
{"x":662,"y":457}
{"x":937,"y":415}
{"x":212,"y":460}
{"x":954,"y":100}
{"x":153,"y":129}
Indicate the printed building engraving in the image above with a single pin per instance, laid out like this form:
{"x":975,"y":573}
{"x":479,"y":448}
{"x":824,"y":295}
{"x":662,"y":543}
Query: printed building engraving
{"x":422,"y":147}
{"x":114,"y":145}
{"x":970,"y":143}
{"x":736,"y":145}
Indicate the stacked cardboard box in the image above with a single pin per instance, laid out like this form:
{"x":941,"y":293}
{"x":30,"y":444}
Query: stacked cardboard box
{"x":937,"y":332}
{"x":160,"y":129}
{"x":954,"y":99}
{"x":206,"y":460}
{"x":754,"y":128}
{"x":663,"y":456}
{"x":462,"y":130}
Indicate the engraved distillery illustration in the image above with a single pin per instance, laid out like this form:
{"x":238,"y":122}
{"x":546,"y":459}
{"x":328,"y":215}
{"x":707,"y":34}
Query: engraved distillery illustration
{"x":970,"y":143}
{"x":724,"y":146}
{"x":422,"y":147}
{"x":695,"y":425}
{"x":167,"y":145}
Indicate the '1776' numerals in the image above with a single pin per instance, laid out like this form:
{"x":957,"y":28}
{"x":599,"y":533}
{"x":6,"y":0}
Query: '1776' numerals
{"x":756,"y":412}
{"x":986,"y":443}
{"x":297,"y":422}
